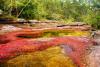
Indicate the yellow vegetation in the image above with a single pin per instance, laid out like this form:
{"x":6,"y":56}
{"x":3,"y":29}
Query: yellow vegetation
{"x":51,"y":57}
{"x":65,"y":33}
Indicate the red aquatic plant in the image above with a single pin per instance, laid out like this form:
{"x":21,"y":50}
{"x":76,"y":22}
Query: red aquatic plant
{"x":36,"y":33}
{"x":75,"y":47}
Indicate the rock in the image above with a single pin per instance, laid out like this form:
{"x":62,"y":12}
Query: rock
{"x":96,"y":36}
{"x":93,"y":59}
{"x":9,"y":28}
{"x":77,"y":24}
{"x":97,"y":32}
{"x":32,"y":21}
{"x":21,"y":20}
{"x":1,"y":12}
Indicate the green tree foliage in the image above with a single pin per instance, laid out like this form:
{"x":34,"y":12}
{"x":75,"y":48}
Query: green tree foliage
{"x":65,"y":10}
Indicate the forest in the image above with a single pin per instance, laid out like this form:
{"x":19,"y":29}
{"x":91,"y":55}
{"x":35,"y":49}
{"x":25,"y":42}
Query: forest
{"x":87,"y":11}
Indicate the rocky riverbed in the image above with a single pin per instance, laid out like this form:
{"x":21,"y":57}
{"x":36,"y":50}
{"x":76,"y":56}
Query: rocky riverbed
{"x":92,"y":57}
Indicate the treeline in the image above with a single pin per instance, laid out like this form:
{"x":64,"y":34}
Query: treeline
{"x":61,"y":10}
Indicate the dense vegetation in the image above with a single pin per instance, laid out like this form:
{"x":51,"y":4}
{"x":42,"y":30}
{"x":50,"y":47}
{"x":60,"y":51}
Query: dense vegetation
{"x":62,"y":10}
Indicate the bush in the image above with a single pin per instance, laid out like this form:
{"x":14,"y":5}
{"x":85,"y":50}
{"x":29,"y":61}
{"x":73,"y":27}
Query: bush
{"x":92,"y":19}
